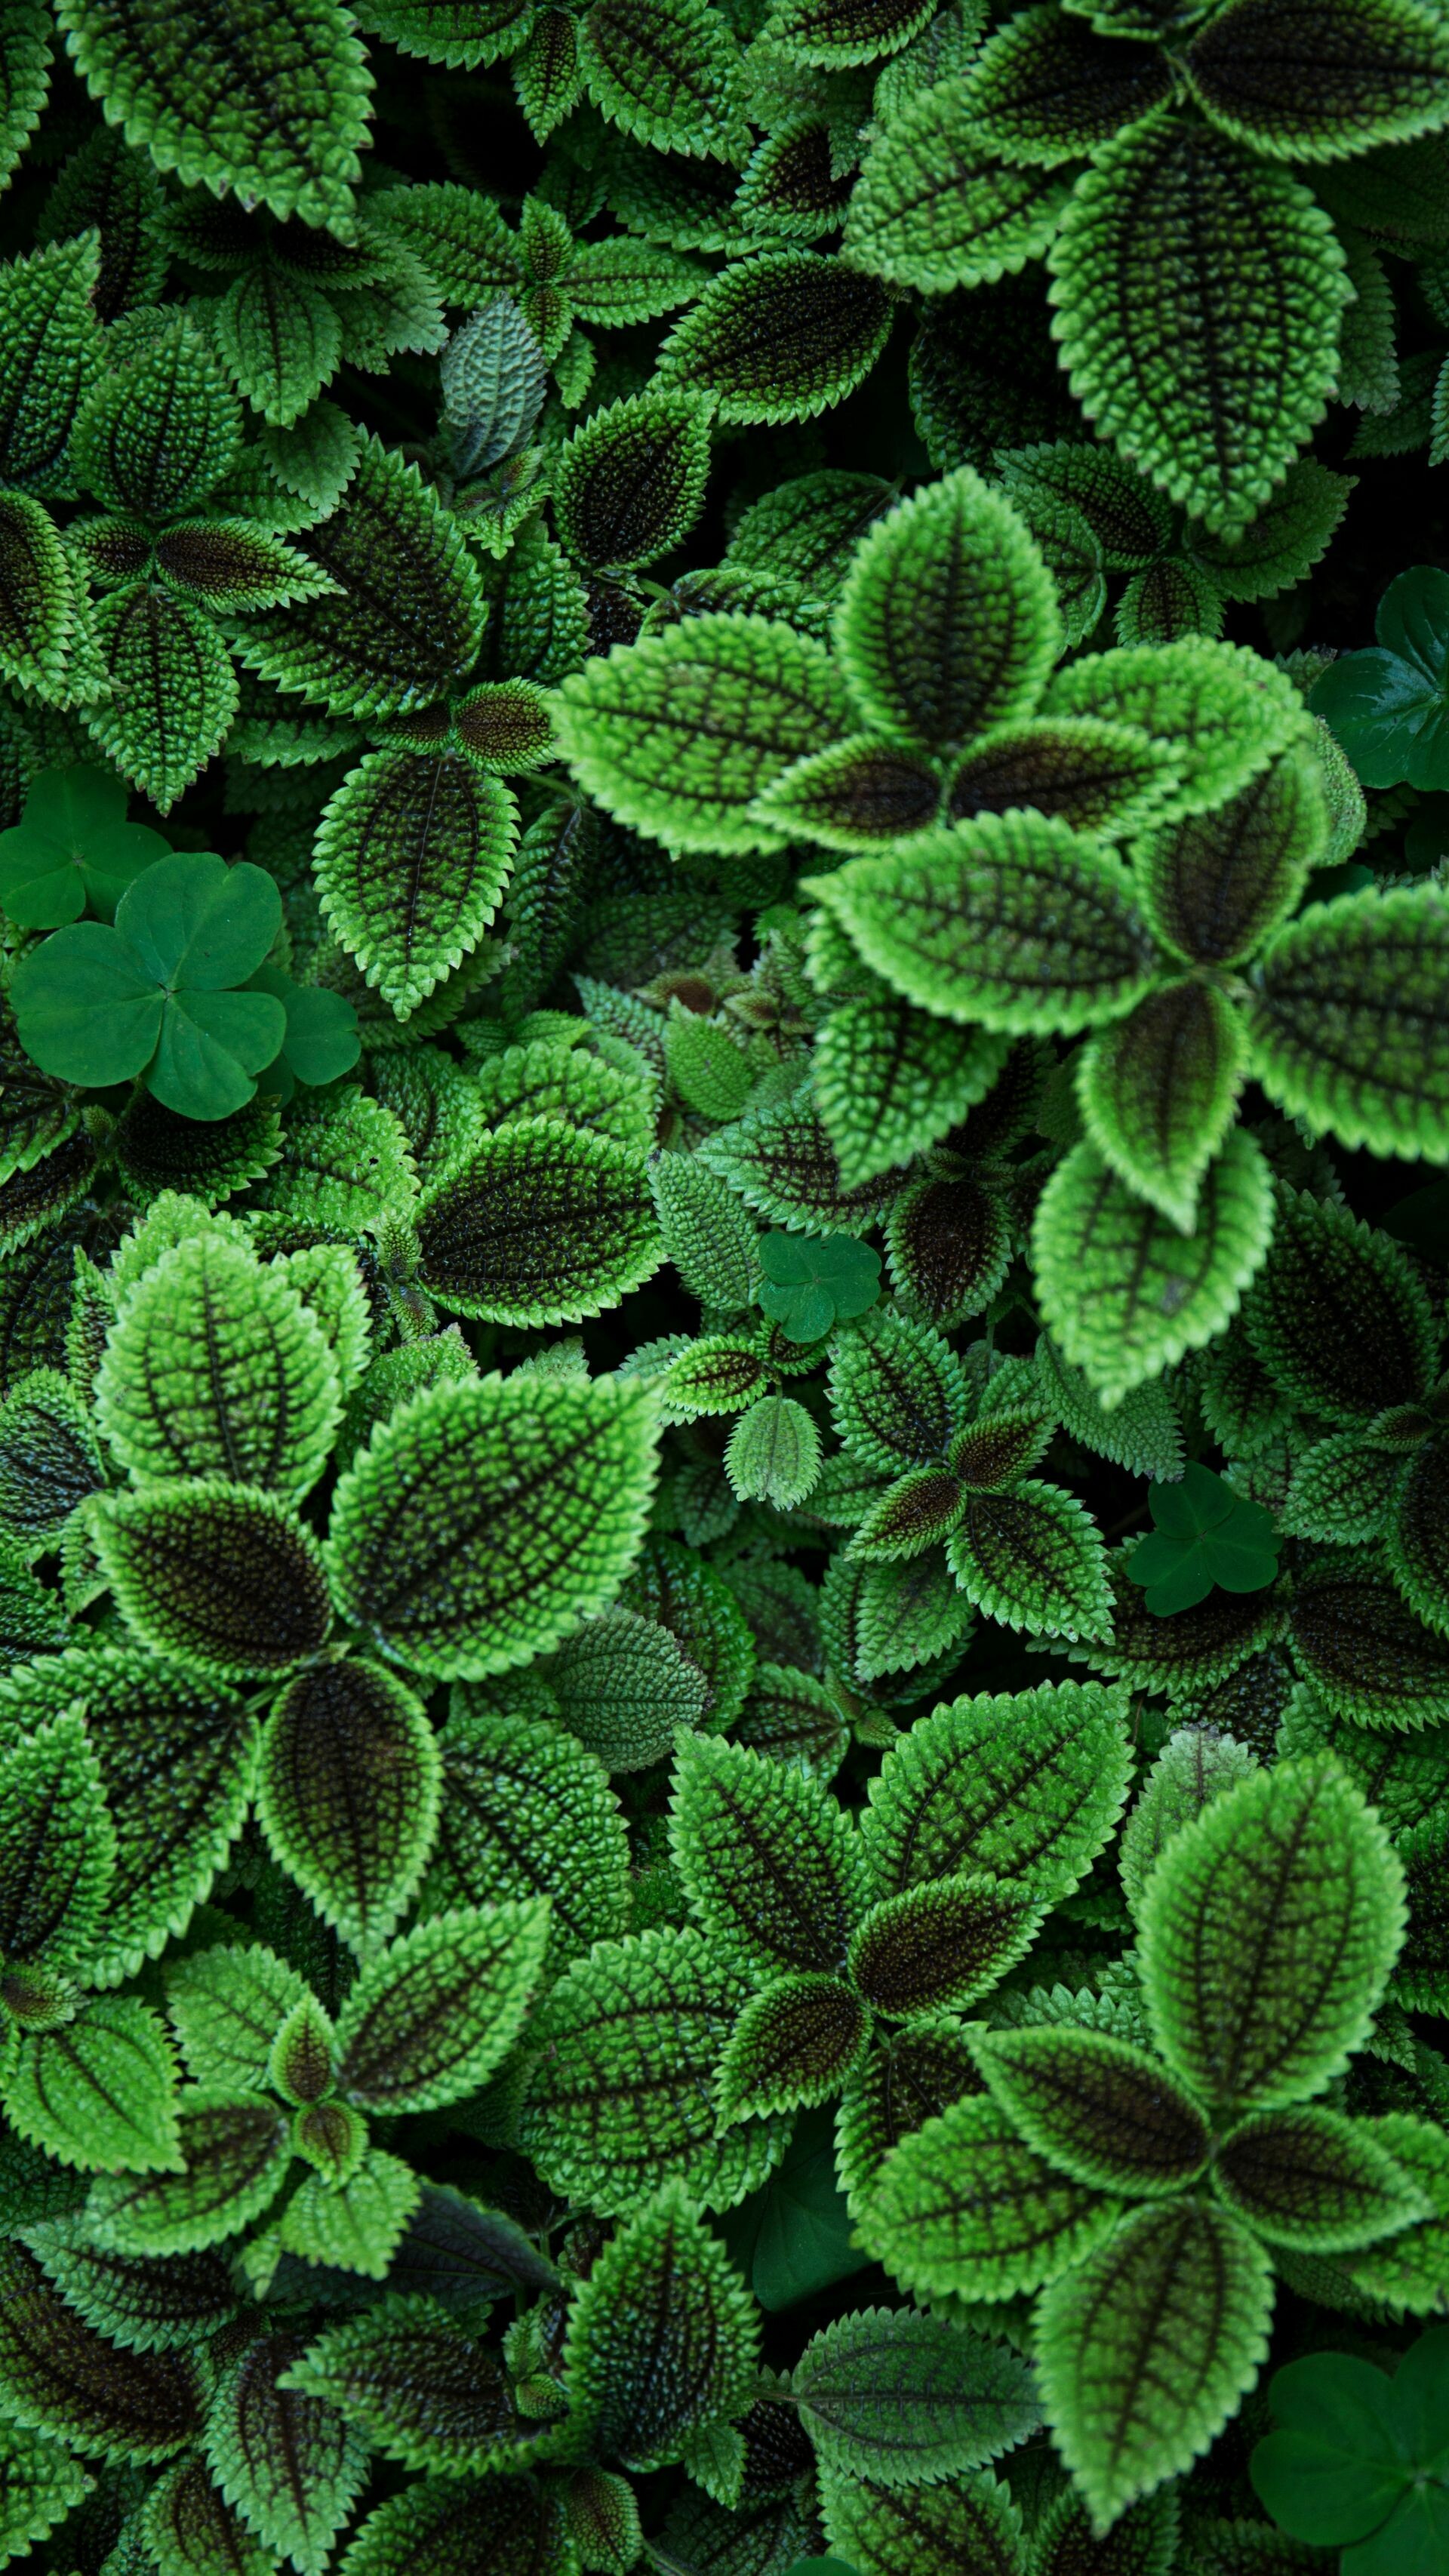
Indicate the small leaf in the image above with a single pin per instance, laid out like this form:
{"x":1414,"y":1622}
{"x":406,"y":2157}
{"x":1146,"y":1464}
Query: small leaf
{"x":220,"y":1574}
{"x":1367,"y":970}
{"x":412,"y":858}
{"x":794,"y":2045}
{"x":348,"y":1795}
{"x":964,"y":2205}
{"x":428,"y":2020}
{"x":1025,"y":1785}
{"x":1158,"y":1092}
{"x":99,"y":2091}
{"x":1203,"y":1534}
{"x":779,"y":337}
{"x":933,"y":207}
{"x":768,"y":1861}
{"x":57,"y":1847}
{"x":944,"y":1944}
{"x":1101,"y":2109}
{"x":664,"y":70}
{"x":1034,"y":1559}
{"x":774,"y":1453}
{"x":630,"y":482}
{"x":235,"y":2151}
{"x":542,"y":1224}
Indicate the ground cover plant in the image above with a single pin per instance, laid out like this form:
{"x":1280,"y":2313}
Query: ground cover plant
{"x":724,"y":1410}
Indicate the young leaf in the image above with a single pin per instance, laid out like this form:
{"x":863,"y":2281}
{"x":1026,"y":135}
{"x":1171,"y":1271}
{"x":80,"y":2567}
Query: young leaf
{"x":891,"y":1080}
{"x":679,"y":734}
{"x":412,"y":857}
{"x":52,"y":347}
{"x":906,"y":2398}
{"x":1158,"y":1091}
{"x":161,"y":653}
{"x":1215,"y":884}
{"x":219,"y":1574}
{"x":663,"y":2337}
{"x":948,"y":621}
{"x":795,"y":2043}
{"x":1035,"y":1559}
{"x":488,"y":1518}
{"x":99,"y":2091}
{"x":1202,"y":1534}
{"x":779,"y":337}
{"x":1047,"y":89}
{"x":1221,"y":713}
{"x":235,"y":2149}
{"x":1312,"y":2179}
{"x":946,"y":1943}
{"x":1124,"y":1293}
{"x":429,"y":2020}
{"x":1146,"y":2348}
{"x":1198,"y":294}
{"x":1269,"y":1928}
{"x":774,"y":1453}
{"x":347,"y":1795}
{"x":525,"y":1811}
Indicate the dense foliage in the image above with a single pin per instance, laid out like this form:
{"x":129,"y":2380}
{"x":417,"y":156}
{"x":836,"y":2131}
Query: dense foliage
{"x":724,"y":1419}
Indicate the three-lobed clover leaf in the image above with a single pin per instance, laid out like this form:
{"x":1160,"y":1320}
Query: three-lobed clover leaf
{"x":1361,"y":2461}
{"x":1203,"y":1534}
{"x":814,"y":1281}
{"x":159,"y":992}
{"x":72,"y":846}
{"x":1389,"y":706}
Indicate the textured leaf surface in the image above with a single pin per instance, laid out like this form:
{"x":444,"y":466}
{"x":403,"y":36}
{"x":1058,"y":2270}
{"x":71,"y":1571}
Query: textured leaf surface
{"x":663,"y":2337}
{"x":428,"y":2020}
{"x":486,"y":1520}
{"x":412,"y":858}
{"x":544,"y":1224}
{"x":780,"y":337}
{"x":348,"y":1795}
{"x":906,"y":2398}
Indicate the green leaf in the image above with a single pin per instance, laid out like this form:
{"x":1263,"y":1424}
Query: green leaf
{"x":905,"y":2398}
{"x":1198,"y":295}
{"x":37,"y":597}
{"x":621,"y":2098}
{"x":271,"y":103}
{"x":1215,"y":884}
{"x":487,"y":1519}
{"x":173,"y":691}
{"x":812,"y":1282}
{"x":708,"y":1235}
{"x":49,"y":1459}
{"x":1269,"y":1928}
{"x":948,"y":620}
{"x":1312,"y":2179}
{"x":1045,"y":89}
{"x":72,"y":846}
{"x":618,"y":281}
{"x":1146,"y":2348}
{"x":218,"y":1574}
{"x":176,"y":1760}
{"x":623,"y":1685}
{"x":418,"y":2386}
{"x":774,"y":1453}
{"x":944,"y":1944}
{"x":227,"y":2007}
{"x":430,"y":2019}
{"x":525,"y":1811}
{"x":1158,"y":1092}
{"x":664,"y":70}
{"x":793,"y":2237}
{"x":57,"y":1847}
{"x":949,"y":1244}
{"x":99,"y":2091}
{"x":514,"y":2525}
{"x":59,"y":2376}
{"x":215,"y":1367}
{"x":933,"y":208}
{"x":663,"y":2337}
{"x":966,"y":2521}
{"x":794,"y":2045}
{"x":1319,"y":86}
{"x":286,"y":2461}
{"x":679,"y":733}
{"x":891,"y":1080}
{"x":769,"y":1863}
{"x":191,"y":2531}
{"x":39,"y":2485}
{"x":143,"y":2305}
{"x":412,"y":857}
{"x":1338,"y":1316}
{"x":1012,"y":921}
{"x":1220,"y":712}
{"x":157,"y":435}
{"x":859,"y":792}
{"x":1099,"y":2108}
{"x":1348,"y":2444}
{"x":630,"y":482}
{"x":1034,"y":1559}
{"x":1123,"y":1293}
{"x":347,"y":1795}
{"x":544,"y":1224}
{"x":52,"y":357}
{"x":155,"y":992}
{"x":964,"y":2205}
{"x":1099,"y":777}
{"x":280,"y":341}
{"x":1345,"y":1024}
{"x":782,"y":336}
{"x":1025,"y":1785}
{"x":1203,"y":1534}
{"x":402,"y":627}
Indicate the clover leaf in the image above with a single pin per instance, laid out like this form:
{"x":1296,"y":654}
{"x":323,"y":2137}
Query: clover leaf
{"x":1389,"y":706}
{"x":321,"y":1038}
{"x":1361,"y":2461}
{"x":72,"y":846}
{"x":158,"y":992}
{"x":813,"y":1281}
{"x":1203,"y":1534}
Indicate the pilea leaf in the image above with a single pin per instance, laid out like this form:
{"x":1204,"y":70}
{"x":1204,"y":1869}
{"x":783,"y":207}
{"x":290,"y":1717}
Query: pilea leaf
{"x":412,"y":858}
{"x":348,"y":1794}
{"x":907,"y":2398}
{"x":217,"y":1573}
{"x":934,"y":208}
{"x":544,"y":1224}
{"x":437,"y":1548}
{"x":790,"y":1895}
{"x":287,"y":2462}
{"x":631,"y":481}
{"x":780,"y":337}
{"x":429,"y":2019}
{"x":663,"y":2337}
